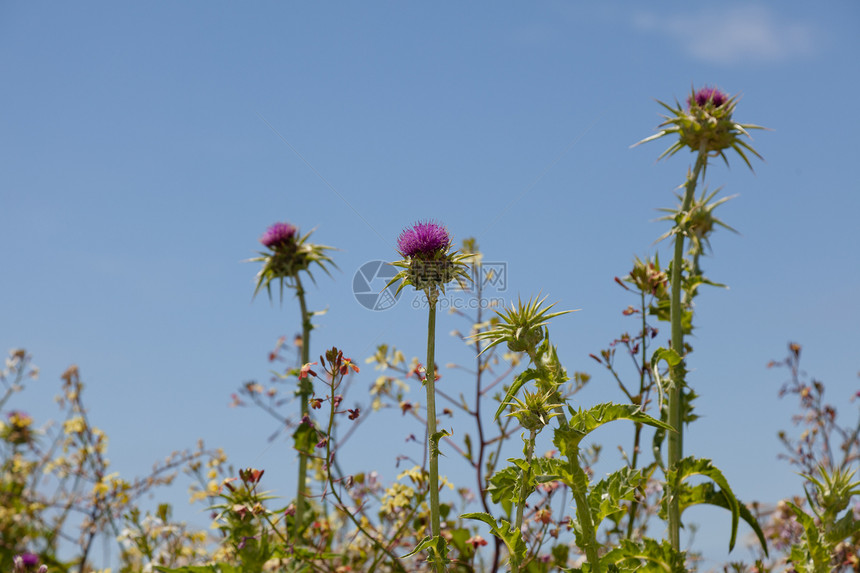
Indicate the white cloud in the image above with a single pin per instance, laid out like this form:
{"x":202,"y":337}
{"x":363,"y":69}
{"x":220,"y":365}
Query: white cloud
{"x":733,"y":35}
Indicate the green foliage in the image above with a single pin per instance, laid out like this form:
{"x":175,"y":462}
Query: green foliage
{"x":214,"y":568}
{"x":436,"y":547}
{"x":644,"y":556}
{"x":605,"y":497}
{"x":705,"y":494}
{"x":813,"y":554}
{"x":340,"y":522}
{"x":825,"y":530}
{"x":583,"y":422}
{"x":520,"y":381}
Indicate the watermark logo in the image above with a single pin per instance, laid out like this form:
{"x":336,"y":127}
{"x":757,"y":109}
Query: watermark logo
{"x":370,"y":290}
{"x":491,"y":276}
{"x":368,"y":285}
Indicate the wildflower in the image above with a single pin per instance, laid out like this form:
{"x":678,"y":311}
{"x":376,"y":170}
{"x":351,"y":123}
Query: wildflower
{"x":279,"y":235}
{"x":289,"y":253}
{"x":306,"y":370}
{"x":476,"y":541}
{"x":428,"y":263}
{"x":18,"y":430}
{"x":74,"y":425}
{"x":423,"y":240}
{"x":647,"y":277}
{"x":707,"y":95}
{"x":19,"y":419}
{"x":706,"y":125}
{"x":544,"y":516}
{"x":27,"y":562}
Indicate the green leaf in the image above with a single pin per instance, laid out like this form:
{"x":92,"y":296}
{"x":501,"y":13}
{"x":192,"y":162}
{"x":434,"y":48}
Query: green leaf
{"x":688,"y":467}
{"x":434,"y":441}
{"x":844,"y":528}
{"x":305,"y":439}
{"x":646,"y":555}
{"x":504,"y":487}
{"x":606,"y":496}
{"x":583,"y":422}
{"x":519,"y":381}
{"x":550,"y":469}
{"x":813,"y":556}
{"x":705,"y":493}
{"x":459,"y":538}
{"x":214,"y":568}
{"x":669,"y":355}
{"x":436,"y":547}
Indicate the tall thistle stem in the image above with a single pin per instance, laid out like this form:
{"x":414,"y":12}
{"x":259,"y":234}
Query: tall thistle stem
{"x":676,"y":438}
{"x":430,"y":383}
{"x":305,"y":390}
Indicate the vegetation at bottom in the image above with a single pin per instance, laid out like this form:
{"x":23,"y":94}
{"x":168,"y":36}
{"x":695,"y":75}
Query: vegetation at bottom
{"x":529,"y":499}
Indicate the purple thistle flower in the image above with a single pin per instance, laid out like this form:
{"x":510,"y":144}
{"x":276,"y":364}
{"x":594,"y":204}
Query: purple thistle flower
{"x":425,"y":238}
{"x":29,"y":559}
{"x":706,"y":94}
{"x":26,"y":562}
{"x":278,"y":234}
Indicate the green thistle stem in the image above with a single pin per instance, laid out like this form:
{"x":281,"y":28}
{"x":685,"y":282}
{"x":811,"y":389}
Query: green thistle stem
{"x":430,"y":382}
{"x":305,"y":390}
{"x":521,"y":502}
{"x":676,"y":438}
{"x":579,"y":490}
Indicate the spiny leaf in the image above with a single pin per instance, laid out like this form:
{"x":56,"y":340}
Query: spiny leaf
{"x":437,"y":547}
{"x":583,"y":422}
{"x":606,"y":495}
{"x":690,"y":466}
{"x":646,"y":555}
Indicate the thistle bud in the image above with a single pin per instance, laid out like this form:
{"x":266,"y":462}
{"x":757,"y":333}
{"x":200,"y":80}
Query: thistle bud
{"x":706,"y":125}
{"x":534,"y":412}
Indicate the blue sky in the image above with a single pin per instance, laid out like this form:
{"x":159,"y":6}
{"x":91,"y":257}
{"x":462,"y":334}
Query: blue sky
{"x":145,"y":148}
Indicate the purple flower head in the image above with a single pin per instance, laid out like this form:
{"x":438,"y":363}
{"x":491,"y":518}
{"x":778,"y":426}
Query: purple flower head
{"x":29,"y":559}
{"x":278,"y":234}
{"x":707,"y":94}
{"x":27,"y":562}
{"x":424,"y":238}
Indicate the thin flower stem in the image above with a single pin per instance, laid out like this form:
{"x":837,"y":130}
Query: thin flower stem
{"x":430,"y":382}
{"x":305,"y":389}
{"x":634,"y":505}
{"x":676,"y":438}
